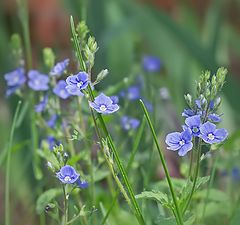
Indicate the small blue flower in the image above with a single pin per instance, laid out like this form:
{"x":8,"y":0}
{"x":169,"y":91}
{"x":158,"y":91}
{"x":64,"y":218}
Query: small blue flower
{"x":67,"y":175}
{"x":104,"y":104}
{"x":38,"y":81}
{"x":194,"y":123}
{"x":215,"y":118}
{"x":151,"y":64}
{"x":82,"y":184}
{"x":200,"y":103}
{"x":188,"y":113}
{"x":60,"y":89}
{"x":211,"y":135}
{"x":180,"y":142}
{"x":52,"y":121}
{"x":235,"y":174}
{"x":59,"y":68}
{"x":129,"y":123}
{"x":52,"y":141}
{"x":41,"y":106}
{"x":133,"y":93}
{"x":15,"y":79}
{"x":77,"y":83}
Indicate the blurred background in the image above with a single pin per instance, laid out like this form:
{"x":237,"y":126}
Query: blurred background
{"x":187,"y":36}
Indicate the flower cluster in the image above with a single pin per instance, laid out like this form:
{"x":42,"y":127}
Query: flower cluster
{"x":201,"y":116}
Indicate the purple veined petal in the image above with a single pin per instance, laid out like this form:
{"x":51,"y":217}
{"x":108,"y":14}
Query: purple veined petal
{"x":214,"y":118}
{"x":185,"y":148}
{"x":186,"y":135}
{"x":82,"y":76}
{"x":73,"y":90}
{"x":173,"y":138}
{"x":67,"y":174}
{"x":72,"y":80}
{"x":103,"y":99}
{"x":221,"y":134}
{"x":206,"y":139}
{"x":207,"y":128}
{"x":187,"y":113}
{"x":193,"y":121}
{"x":112,"y":108}
{"x":174,"y":147}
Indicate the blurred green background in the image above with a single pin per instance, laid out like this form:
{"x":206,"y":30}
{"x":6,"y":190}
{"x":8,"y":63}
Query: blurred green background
{"x":187,"y":36}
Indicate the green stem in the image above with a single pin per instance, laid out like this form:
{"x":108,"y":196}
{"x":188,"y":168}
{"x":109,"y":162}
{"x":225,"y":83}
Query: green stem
{"x":8,"y":167}
{"x":178,"y":213}
{"x":65,"y":205}
{"x":195,"y":177}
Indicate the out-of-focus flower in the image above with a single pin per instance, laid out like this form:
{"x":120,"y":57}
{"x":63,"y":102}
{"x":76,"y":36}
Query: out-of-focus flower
{"x":194,"y":123}
{"x":211,"y":135}
{"x":181,"y":142}
{"x":82,"y":184}
{"x":133,"y":93}
{"x":37,"y":81}
{"x":77,"y":83}
{"x":115,"y":99}
{"x":59,"y":68}
{"x":129,"y":123}
{"x":52,"y":141}
{"x":67,"y":175}
{"x":188,"y":113}
{"x":104,"y":104}
{"x":60,"y":89}
{"x":52,"y":121}
{"x":41,"y":106}
{"x":151,"y":64}
{"x":15,"y":79}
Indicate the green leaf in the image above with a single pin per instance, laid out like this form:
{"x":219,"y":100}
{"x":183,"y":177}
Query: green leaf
{"x":155,"y":195}
{"x":214,"y":195}
{"x":166,"y":221}
{"x":45,"y":198}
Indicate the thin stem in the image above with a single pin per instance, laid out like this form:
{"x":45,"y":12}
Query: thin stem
{"x":178,"y":213}
{"x":8,"y":167}
{"x":195,"y":177}
{"x":65,"y":205}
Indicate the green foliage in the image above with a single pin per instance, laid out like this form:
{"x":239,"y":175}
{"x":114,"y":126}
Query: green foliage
{"x":48,"y":57}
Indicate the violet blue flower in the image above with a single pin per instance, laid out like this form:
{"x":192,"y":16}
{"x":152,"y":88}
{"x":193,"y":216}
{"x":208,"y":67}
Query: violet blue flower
{"x":115,"y":99}
{"x":215,"y":118}
{"x":67,"y":175}
{"x":104,"y":104}
{"x":37,"y":81}
{"x":41,"y":106}
{"x":194,"y":123}
{"x":60,"y":89}
{"x":188,"y":113}
{"x":76,"y":83}
{"x":181,"y":142}
{"x":52,"y":121}
{"x":52,"y":141}
{"x":15,"y":79}
{"x":211,"y":135}
{"x":129,"y":123}
{"x":82,"y":184}
{"x":59,"y":68}
{"x":151,"y":64}
{"x":133,"y":93}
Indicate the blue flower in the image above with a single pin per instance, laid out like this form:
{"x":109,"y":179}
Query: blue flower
{"x":67,"y":175}
{"x":235,"y":174}
{"x":188,"y":113}
{"x":60,"y":89}
{"x":82,"y":184}
{"x":115,"y":99}
{"x":129,"y":123}
{"x":180,"y":142}
{"x":211,"y":135}
{"x":151,"y":64}
{"x":15,"y":79}
{"x":52,"y":141}
{"x":76,"y":83}
{"x":52,"y":121}
{"x":59,"y":68}
{"x":104,"y":104}
{"x":41,"y":106}
{"x":194,"y":123}
{"x":38,"y":81}
{"x":133,"y":93}
{"x":215,"y":118}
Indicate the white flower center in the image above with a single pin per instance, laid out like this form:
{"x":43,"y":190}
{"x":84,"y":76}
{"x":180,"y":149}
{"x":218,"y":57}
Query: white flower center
{"x":195,"y":129}
{"x":211,"y":136}
{"x":15,"y":79}
{"x":67,"y":178}
{"x":79,"y":85}
{"x":37,"y":82}
{"x":182,"y":142}
{"x":103,"y":108}
{"x":62,"y":92}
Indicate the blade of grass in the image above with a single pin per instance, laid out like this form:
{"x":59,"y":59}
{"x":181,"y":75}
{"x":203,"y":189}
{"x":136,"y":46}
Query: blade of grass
{"x":8,"y":167}
{"x":178,"y":213}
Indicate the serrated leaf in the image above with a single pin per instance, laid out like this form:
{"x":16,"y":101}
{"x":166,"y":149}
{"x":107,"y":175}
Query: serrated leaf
{"x":155,"y":195}
{"x":45,"y":198}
